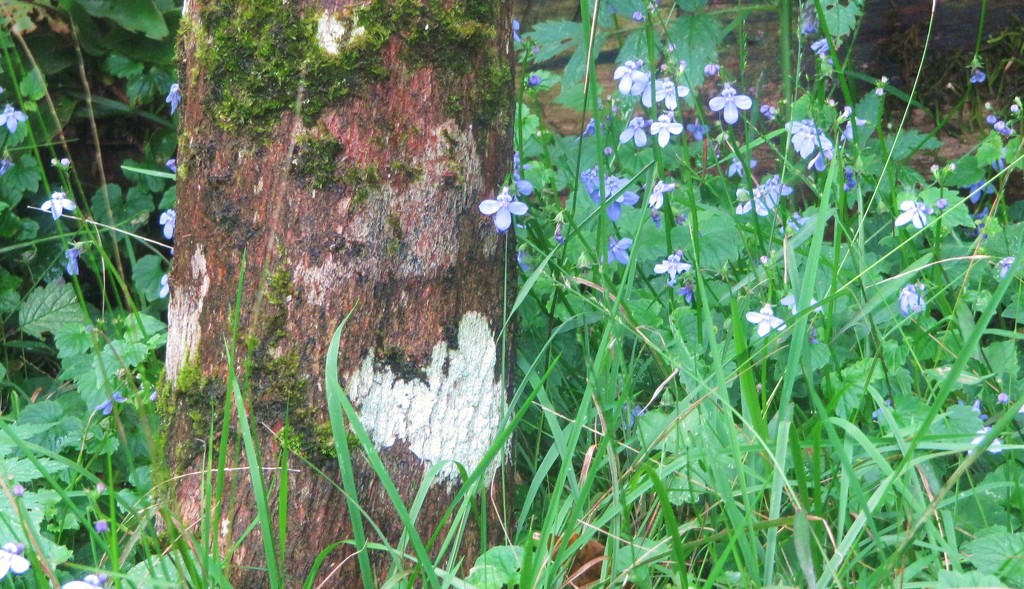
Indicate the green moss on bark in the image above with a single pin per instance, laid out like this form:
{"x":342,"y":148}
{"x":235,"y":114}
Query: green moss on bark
{"x":262,"y":58}
{"x":315,"y":161}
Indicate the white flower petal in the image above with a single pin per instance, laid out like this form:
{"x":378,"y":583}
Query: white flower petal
{"x":503,"y":219}
{"x":489,"y":207}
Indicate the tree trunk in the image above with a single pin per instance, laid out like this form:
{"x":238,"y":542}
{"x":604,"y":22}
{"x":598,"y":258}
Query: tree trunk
{"x":343,"y":146}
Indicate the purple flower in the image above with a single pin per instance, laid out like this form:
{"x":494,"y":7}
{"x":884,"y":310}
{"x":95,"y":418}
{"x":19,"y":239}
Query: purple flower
{"x":633,"y":81}
{"x":515,"y":31}
{"x":977,"y":75}
{"x":809,"y":22}
{"x":850,"y":182}
{"x":168,"y":219}
{"x":665,"y":127}
{"x":736,"y":167}
{"x":1002,"y":398}
{"x":5,"y":164}
{"x":806,"y":138}
{"x":915,"y":213}
{"x":172,"y":165}
{"x":1004,"y":265}
{"x":657,"y":197}
{"x":769,"y":112}
{"x":638,"y":16}
{"x":57,"y":204}
{"x":1001,"y":128}
{"x":765,"y":320}
{"x":101,"y":526}
{"x":673,"y":266}
{"x":72,"y":257}
{"x":634,"y":132}
{"x":533,"y":81}
{"x":18,"y":490}
{"x":821,"y":49}
{"x":686,"y":291}
{"x":618,"y":250}
{"x":697,"y":130}
{"x":911,"y":299}
{"x":977,"y":189}
{"x":503,"y":207}
{"x":11,"y":117}
{"x":711,"y":69}
{"x":730,"y":104}
{"x":107,"y":407}
{"x":590,"y":129}
{"x":523,"y":187}
{"x":173,"y":97}
{"x":617,"y":186}
{"x":667,"y":91}
{"x":165,"y":286}
{"x":765,"y":199}
{"x":11,"y":559}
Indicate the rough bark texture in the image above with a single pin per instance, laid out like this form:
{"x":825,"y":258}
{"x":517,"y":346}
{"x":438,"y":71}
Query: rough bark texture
{"x":343,"y":146}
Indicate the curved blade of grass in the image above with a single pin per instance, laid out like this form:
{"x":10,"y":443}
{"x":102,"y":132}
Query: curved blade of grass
{"x":337,"y":399}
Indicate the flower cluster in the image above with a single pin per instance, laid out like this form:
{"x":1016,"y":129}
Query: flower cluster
{"x":765,"y":198}
{"x":811,"y":143}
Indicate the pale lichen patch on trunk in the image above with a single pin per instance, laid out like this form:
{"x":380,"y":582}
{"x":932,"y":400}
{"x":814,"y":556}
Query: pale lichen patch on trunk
{"x":453,"y":415}
{"x":184,"y":313}
{"x":331,"y":33}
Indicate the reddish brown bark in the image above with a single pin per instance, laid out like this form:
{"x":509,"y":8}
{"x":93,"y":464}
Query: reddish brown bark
{"x":408,"y":252}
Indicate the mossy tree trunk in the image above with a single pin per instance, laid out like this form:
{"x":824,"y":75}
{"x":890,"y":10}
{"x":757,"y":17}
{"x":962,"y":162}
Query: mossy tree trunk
{"x":343,"y":146}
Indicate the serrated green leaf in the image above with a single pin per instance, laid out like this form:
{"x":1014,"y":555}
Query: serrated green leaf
{"x":21,"y":178}
{"x":841,"y":15}
{"x":122,"y":66}
{"x":998,"y":553}
{"x":32,"y":86}
{"x":696,"y":37}
{"x":129,"y":211}
{"x":555,"y":37}
{"x":719,"y":239}
{"x":10,"y":300}
{"x":147,"y":274}
{"x":72,"y":340}
{"x":48,"y":308}
{"x":135,"y":15}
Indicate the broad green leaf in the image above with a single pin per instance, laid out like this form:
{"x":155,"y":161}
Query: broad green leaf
{"x":497,"y":568}
{"x":719,"y":240}
{"x":48,"y":308}
{"x":156,"y":572}
{"x":998,"y":553}
{"x":135,"y":15}
{"x":72,"y":340}
{"x":147,"y":274}
{"x":32,"y":86}
{"x":125,"y":211}
{"x":10,"y":300}
{"x":909,"y":143}
{"x":122,"y":66}
{"x":20,"y":178}
{"x":841,"y":15}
